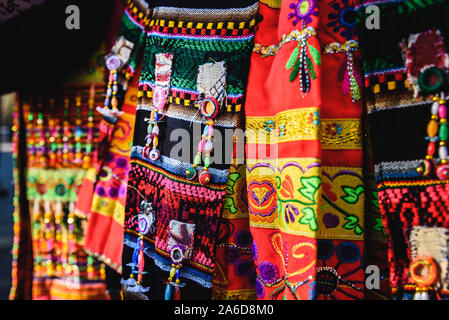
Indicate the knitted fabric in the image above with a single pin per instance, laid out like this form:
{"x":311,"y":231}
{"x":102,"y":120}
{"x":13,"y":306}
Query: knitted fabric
{"x":398,"y":115}
{"x":194,"y":36}
{"x":304,"y":157}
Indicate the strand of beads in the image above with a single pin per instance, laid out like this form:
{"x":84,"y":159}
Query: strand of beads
{"x":174,"y":280}
{"x":443,"y":134}
{"x":111,"y":91}
{"x":41,"y":131}
{"x":78,"y":129}
{"x":152,"y":137}
{"x":87,"y":159}
{"x":437,"y":130}
{"x":204,"y":146}
{"x":67,"y":131}
{"x":304,"y":78}
{"x":52,"y":133}
{"x":353,"y":84}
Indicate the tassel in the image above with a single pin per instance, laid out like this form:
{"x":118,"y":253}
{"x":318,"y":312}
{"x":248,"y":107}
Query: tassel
{"x":177,"y":295}
{"x":168,"y":291}
{"x":131,"y":282}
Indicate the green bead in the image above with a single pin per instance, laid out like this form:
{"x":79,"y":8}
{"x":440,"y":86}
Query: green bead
{"x":150,"y":128}
{"x":443,"y":133}
{"x":197,"y":159}
{"x":88,"y":148}
{"x":30,"y":117}
{"x":207,"y":162}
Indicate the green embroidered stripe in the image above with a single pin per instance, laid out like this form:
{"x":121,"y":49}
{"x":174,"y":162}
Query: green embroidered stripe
{"x":189,"y":54}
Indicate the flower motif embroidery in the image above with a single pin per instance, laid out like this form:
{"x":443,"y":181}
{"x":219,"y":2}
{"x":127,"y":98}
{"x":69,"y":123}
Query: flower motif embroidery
{"x":343,"y":20}
{"x":287,"y":187}
{"x":333,"y":128}
{"x":314,"y":118}
{"x":269,"y":125}
{"x":282,"y":130}
{"x":303,"y":10}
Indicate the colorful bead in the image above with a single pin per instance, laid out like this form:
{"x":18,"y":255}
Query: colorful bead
{"x":443,"y":132}
{"x":154,"y":153}
{"x":442,"y":111}
{"x":209,"y":107}
{"x":191,"y":173}
{"x":443,"y":172}
{"x":432,"y":128}
{"x":204,"y":178}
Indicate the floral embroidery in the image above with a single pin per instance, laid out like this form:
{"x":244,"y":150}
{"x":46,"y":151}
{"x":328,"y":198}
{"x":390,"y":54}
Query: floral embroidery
{"x":269,"y":125}
{"x":314,"y":118}
{"x":303,"y":10}
{"x":343,"y":20}
{"x":282,"y":130}
{"x":333,"y":128}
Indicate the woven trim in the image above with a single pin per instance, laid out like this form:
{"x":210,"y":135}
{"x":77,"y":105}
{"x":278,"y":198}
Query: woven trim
{"x":210,"y":15}
{"x":397,"y":170}
{"x":185,"y":97}
{"x":227,"y":120}
{"x":294,"y":35}
{"x":175,"y":170}
{"x":290,"y":125}
{"x":209,"y":29}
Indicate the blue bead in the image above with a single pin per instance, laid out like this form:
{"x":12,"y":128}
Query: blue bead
{"x":135,"y":256}
{"x":168,"y":291}
{"x":205,"y":130}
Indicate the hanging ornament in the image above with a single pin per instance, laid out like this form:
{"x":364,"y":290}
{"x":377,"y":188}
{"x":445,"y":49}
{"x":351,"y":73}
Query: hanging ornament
{"x":211,"y":85}
{"x":115,"y":62}
{"x":145,"y":224}
{"x":351,"y":80}
{"x":424,"y":271}
{"x":302,"y":63}
{"x":180,"y":246}
{"x":161,"y":90}
{"x":437,"y":135}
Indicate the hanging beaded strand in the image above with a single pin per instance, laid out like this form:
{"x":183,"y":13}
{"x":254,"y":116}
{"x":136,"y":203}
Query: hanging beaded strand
{"x":78,"y":129}
{"x":87,"y":159}
{"x":162,"y":74}
{"x":351,"y":80}
{"x":173,"y":284}
{"x":211,"y":84}
{"x":67,"y":132}
{"x":437,"y":132}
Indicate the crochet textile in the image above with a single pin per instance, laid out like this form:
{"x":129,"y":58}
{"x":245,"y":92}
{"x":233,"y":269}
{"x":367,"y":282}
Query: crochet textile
{"x":398,"y":114}
{"x":223,"y":31}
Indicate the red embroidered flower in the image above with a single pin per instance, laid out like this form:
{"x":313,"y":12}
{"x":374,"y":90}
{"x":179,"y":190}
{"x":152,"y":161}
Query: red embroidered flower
{"x":287,"y":187}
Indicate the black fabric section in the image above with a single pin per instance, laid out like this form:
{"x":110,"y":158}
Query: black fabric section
{"x":192,"y":136}
{"x":380,"y":47}
{"x":201,"y":4}
{"x":112,"y":280}
{"x":156,"y":277}
{"x":399,"y":134}
{"x":38,"y":50}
